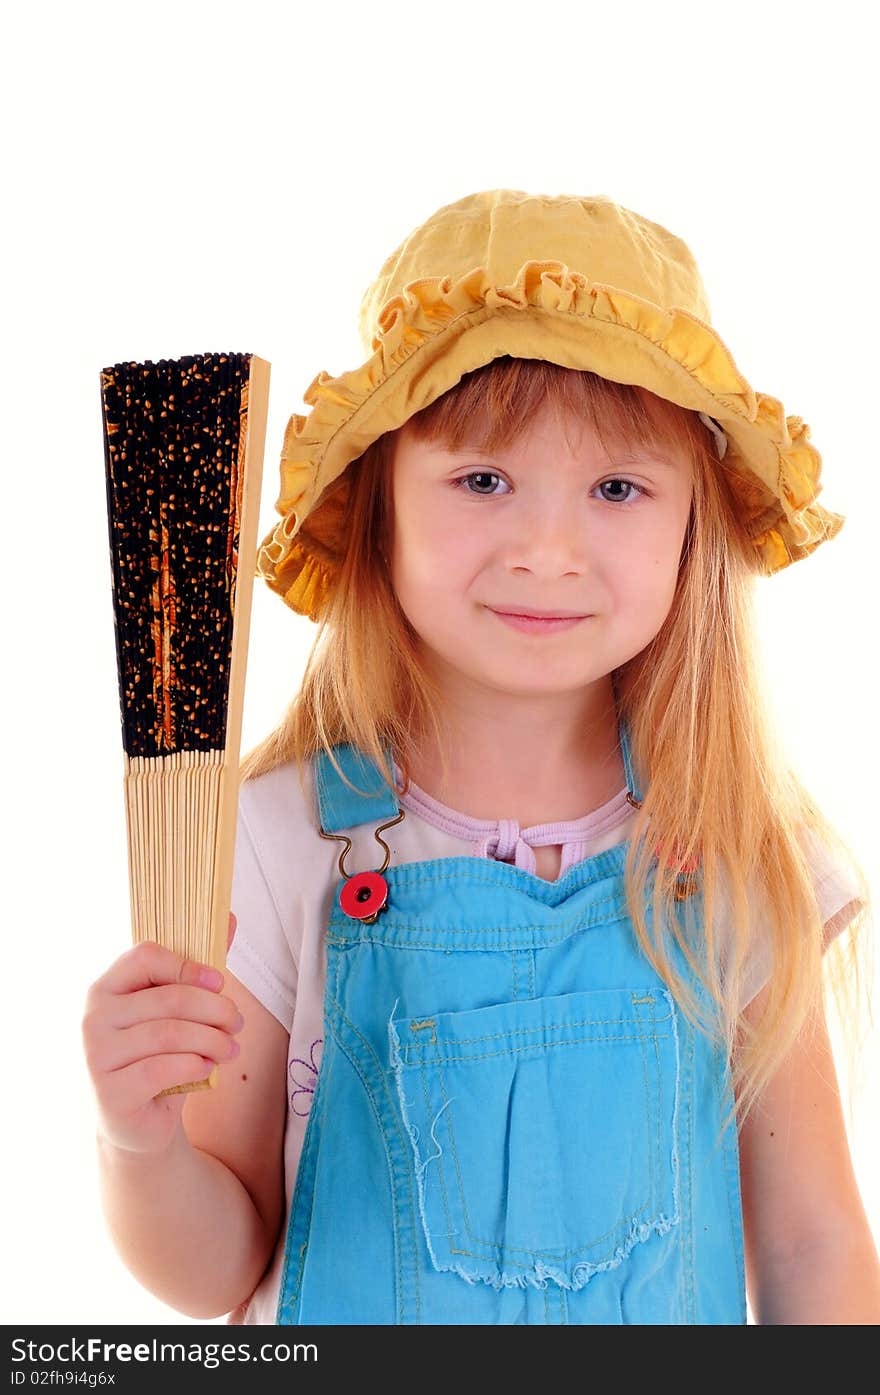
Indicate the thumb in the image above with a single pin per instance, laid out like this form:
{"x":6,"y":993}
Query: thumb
{"x":232,"y":926}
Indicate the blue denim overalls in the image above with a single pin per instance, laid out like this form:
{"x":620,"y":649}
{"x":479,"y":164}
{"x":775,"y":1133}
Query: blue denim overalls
{"x":513,"y":1122}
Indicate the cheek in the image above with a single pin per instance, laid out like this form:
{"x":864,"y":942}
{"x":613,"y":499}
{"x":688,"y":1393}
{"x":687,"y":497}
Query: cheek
{"x":653,"y":583}
{"x":647,"y":584}
{"x":432,"y":574}
{"x":433,"y":554}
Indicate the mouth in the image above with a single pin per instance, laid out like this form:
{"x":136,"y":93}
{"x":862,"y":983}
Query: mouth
{"x":536,"y":623}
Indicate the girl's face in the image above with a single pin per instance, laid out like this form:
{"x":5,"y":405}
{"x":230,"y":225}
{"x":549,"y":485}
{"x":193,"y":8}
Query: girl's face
{"x":551,"y":525}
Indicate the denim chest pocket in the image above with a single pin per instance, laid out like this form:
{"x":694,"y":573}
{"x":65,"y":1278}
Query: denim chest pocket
{"x":543,"y":1131}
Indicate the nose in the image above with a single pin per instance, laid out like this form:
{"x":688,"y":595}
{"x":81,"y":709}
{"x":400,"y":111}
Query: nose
{"x":550,"y":540}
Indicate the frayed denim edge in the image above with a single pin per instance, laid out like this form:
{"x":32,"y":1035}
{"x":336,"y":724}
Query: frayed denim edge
{"x":486,"y":1271}
{"x":675,"y":1179}
{"x":397,"y":1067}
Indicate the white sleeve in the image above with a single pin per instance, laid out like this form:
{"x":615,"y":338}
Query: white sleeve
{"x":839,"y":897}
{"x":260,"y":954}
{"x":837,"y":891}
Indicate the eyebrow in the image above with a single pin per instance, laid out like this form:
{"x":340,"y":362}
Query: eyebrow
{"x":623,"y":457}
{"x":648,"y":458}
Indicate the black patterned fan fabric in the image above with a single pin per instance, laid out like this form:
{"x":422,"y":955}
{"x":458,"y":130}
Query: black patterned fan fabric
{"x":174,"y":434}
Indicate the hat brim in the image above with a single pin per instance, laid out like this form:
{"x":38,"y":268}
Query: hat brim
{"x":438,"y":330}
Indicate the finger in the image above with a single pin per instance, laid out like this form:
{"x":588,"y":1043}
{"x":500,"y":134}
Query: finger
{"x":233,"y":924}
{"x":145,"y":1079}
{"x":179,"y":1002}
{"x":166,"y":1037}
{"x":150,"y":964}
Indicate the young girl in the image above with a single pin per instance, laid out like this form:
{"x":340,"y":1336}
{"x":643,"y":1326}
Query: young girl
{"x":529,"y":911}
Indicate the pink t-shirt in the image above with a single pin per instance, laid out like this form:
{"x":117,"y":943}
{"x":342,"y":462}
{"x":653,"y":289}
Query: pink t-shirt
{"x":284,"y":878}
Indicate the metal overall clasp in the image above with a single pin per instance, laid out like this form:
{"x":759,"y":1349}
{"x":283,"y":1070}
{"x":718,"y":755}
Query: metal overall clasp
{"x":687,"y":883}
{"x":364,"y":894}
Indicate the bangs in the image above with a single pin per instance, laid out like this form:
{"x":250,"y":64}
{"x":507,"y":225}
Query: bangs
{"x":490,"y":408}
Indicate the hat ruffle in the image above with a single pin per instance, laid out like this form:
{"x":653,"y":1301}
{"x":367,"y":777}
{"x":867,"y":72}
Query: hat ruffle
{"x":775,"y":465}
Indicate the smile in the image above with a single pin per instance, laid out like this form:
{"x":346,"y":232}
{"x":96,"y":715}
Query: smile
{"x":530,"y":624}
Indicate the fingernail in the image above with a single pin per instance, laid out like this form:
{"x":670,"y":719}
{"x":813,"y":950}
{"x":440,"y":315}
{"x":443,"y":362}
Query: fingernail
{"x":210,"y":978}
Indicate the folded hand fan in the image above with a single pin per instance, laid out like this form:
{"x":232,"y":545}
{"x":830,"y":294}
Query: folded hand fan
{"x":183,"y":451}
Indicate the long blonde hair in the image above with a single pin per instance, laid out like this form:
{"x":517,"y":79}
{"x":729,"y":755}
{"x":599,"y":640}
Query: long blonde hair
{"x":716,"y":786}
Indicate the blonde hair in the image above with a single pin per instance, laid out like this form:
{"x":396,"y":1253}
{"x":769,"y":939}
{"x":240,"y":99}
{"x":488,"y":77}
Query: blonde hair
{"x":717,"y":784}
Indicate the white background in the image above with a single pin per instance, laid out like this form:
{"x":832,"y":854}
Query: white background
{"x":193,"y":177}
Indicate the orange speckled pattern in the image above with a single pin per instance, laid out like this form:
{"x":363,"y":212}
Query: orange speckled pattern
{"x":174,"y":438}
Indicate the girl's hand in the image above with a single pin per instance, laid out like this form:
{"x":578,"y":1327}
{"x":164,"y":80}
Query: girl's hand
{"x":151,"y":1022}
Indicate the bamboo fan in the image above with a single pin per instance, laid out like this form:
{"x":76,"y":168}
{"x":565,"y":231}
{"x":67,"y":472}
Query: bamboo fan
{"x":183,"y":451}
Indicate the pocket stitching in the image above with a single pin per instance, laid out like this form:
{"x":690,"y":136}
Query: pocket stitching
{"x":530,"y":1046}
{"x":512,"y":1250}
{"x":415,"y":1024}
{"x":540,"y":1272}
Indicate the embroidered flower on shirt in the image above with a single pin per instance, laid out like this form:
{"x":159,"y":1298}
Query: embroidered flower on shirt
{"x":304,"y":1087}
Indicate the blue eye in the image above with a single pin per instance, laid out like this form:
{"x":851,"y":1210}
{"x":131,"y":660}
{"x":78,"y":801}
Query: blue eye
{"x":491,"y":475}
{"x":476,"y":475}
{"x":629,"y":484}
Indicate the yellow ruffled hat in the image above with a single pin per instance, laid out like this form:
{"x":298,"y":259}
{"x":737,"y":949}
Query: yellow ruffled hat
{"x":582,"y":282}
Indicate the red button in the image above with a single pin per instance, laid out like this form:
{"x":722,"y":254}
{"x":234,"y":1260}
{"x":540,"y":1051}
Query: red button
{"x":364,"y":895}
{"x":688,"y":864}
